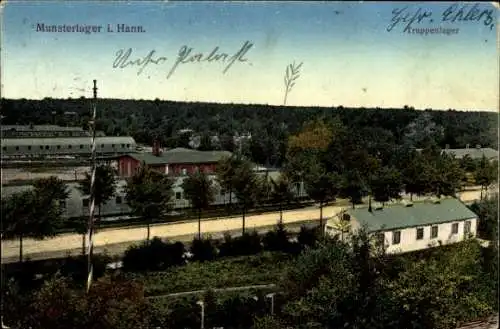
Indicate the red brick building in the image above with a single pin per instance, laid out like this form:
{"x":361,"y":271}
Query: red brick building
{"x":178,"y":161}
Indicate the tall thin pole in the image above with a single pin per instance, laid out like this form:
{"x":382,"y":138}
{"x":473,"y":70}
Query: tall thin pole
{"x":92,"y":192}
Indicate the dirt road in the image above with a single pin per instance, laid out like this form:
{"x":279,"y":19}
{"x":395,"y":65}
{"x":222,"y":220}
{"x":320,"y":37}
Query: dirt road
{"x":130,"y":235}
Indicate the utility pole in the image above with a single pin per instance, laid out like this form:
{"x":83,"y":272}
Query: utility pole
{"x":92,"y":192}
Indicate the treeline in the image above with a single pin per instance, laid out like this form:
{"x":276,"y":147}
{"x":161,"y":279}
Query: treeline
{"x":270,"y":126}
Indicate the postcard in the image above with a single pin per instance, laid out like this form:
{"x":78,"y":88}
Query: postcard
{"x":297,"y":113}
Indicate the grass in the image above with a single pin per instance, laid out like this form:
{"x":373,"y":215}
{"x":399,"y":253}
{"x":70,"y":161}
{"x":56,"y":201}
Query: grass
{"x":265,"y":268}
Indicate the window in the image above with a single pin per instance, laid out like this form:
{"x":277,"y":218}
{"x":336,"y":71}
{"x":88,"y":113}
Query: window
{"x":454,"y":228}
{"x":4,"y":148}
{"x":29,"y":147}
{"x":467,"y":227}
{"x":396,"y":237}
{"x":118,"y":200}
{"x":46,"y":147}
{"x":85,"y":202}
{"x":102,"y":146}
{"x":434,"y":232}
{"x":81,"y":146}
{"x":123,"y":145}
{"x":17,"y":148}
{"x":41,"y":147}
{"x":178,"y":195}
{"x":69,"y":146}
{"x":113,"y":145}
{"x":58,"y":147}
{"x":128,"y":145}
{"x":420,"y":233}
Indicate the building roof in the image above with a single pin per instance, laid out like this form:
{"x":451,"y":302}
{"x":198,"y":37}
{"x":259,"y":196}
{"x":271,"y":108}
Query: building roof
{"x":40,"y":128}
{"x":474,"y":153}
{"x":66,"y":141}
{"x":181,"y":155}
{"x":419,"y":214}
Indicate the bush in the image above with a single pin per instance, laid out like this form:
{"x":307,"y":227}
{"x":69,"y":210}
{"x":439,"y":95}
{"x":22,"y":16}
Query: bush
{"x":76,"y":267}
{"x":226,"y":248}
{"x":153,"y":256}
{"x":277,"y":240}
{"x":203,"y":250}
{"x":247,"y":244}
{"x":308,"y":237}
{"x":25,"y":273}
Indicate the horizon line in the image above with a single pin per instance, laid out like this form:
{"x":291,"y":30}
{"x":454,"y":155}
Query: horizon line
{"x":409,"y":107}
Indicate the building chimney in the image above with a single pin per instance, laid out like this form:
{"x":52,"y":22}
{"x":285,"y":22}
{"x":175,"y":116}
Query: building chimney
{"x":466,"y":146}
{"x":478,"y":146}
{"x":156,"y":148}
{"x":447,"y":146}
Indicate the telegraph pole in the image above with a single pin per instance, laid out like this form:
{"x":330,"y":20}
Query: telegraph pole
{"x":92,"y":191}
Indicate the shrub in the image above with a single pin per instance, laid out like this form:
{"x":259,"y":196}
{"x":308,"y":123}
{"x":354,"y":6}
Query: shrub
{"x":153,"y":256}
{"x":203,"y":250}
{"x":248,"y":244}
{"x":308,"y":237}
{"x":226,"y":248}
{"x":277,"y":240}
{"x":76,"y":267}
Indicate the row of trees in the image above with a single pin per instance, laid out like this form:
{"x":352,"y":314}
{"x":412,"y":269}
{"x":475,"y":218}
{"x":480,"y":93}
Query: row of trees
{"x":38,"y":213}
{"x":326,"y":157}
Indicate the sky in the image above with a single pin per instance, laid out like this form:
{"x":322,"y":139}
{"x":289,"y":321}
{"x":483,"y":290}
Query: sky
{"x":350,"y":56}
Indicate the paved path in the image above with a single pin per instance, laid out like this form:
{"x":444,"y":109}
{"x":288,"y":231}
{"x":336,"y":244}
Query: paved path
{"x":212,"y":226}
{"x":115,"y":236}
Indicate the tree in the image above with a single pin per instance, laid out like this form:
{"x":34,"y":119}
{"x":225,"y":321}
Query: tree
{"x":487,"y":211}
{"x":315,"y":135}
{"x":448,"y":291}
{"x":417,"y":175}
{"x":104,"y":185}
{"x":281,"y":193}
{"x":322,"y":187}
{"x":246,"y":188}
{"x":52,"y":188}
{"x":386,"y":184}
{"x":199,"y":189}
{"x":485,"y":174}
{"x":226,"y":173}
{"x":31,"y":214}
{"x":468,"y":164}
{"x":149,"y":193}
{"x":112,"y":303}
{"x":422,"y":130}
{"x":447,"y":176}
{"x":352,"y":186}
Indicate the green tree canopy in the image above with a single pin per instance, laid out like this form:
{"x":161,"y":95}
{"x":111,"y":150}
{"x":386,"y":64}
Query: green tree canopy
{"x":149,"y":195}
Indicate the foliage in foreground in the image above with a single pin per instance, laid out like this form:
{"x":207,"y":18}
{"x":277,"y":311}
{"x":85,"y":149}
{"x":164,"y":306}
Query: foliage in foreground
{"x":336,"y":284}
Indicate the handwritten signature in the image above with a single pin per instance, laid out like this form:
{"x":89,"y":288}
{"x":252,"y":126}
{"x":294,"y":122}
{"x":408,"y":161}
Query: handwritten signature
{"x":452,"y":14}
{"x":185,"y":55}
